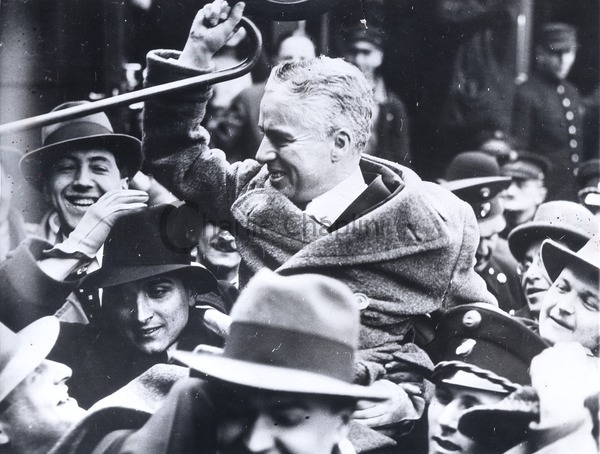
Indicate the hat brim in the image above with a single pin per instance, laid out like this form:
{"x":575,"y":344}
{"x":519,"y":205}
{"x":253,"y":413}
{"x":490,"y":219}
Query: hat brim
{"x":496,"y":184}
{"x":556,"y":257}
{"x":522,"y":236}
{"x":203,"y":280}
{"x":273,"y":378}
{"x":128,"y":149}
{"x":36,"y":342}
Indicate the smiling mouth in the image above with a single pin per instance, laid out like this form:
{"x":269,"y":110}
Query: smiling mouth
{"x":446,"y":445}
{"x":561,"y":323}
{"x":147,"y":332}
{"x":81,"y":202}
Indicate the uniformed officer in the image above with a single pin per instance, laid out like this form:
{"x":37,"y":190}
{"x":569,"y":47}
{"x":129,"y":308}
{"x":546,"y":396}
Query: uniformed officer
{"x":474,"y":177}
{"x":547,"y":110}
{"x":527,"y":189}
{"x":481,"y":356}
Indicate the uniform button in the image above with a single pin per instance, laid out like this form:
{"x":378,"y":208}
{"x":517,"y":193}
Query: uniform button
{"x":90,"y":297}
{"x":569,"y":115}
{"x":560,"y":90}
{"x":575,"y":158}
{"x":501,"y":278}
{"x":491,"y":271}
{"x":81,"y":290}
{"x":566,"y":102}
{"x":573,"y":143}
{"x":572,"y":129}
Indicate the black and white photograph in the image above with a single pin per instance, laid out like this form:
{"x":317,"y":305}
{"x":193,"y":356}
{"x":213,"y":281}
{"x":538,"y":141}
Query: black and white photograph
{"x":299,"y":227}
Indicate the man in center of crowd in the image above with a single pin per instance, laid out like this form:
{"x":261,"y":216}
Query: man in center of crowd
{"x":311,"y":202}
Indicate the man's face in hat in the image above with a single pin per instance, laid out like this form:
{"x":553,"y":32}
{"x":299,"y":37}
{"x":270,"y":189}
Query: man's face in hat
{"x":570,"y":308}
{"x":150,"y":313}
{"x":276,"y":422}
{"x":39,"y":409}
{"x":77,"y":179}
{"x":534,"y":279}
{"x":445,"y":410}
{"x":524,"y":195}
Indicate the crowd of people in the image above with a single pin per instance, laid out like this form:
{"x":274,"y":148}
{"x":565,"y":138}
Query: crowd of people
{"x":283,"y":282}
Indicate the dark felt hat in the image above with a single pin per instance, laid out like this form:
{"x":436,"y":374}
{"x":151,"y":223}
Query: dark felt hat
{"x":567,"y":222}
{"x":524,"y":165}
{"x":480,"y":346}
{"x":371,"y":34}
{"x":558,"y":37}
{"x":556,"y":257}
{"x":293,"y":334}
{"x":92,"y":131}
{"x":22,"y":352}
{"x":147,"y":243}
{"x":474,"y":176}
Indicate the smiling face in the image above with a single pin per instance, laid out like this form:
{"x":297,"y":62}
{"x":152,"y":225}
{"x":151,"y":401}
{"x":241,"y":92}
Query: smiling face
{"x":40,"y":410}
{"x":445,"y":410}
{"x":77,"y":179}
{"x":285,"y":423}
{"x":301,"y":161}
{"x":534,"y":279}
{"x":150,"y":313}
{"x":570,"y":308}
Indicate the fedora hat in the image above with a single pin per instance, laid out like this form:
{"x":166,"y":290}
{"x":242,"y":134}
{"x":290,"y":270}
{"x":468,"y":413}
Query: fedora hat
{"x":147,"y":243}
{"x":567,"y":222}
{"x":84,"y":133}
{"x":556,"y":257}
{"x":295,"y":334}
{"x":22,"y":352}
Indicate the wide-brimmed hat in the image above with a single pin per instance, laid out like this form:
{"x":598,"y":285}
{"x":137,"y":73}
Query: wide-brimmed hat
{"x":84,"y":133}
{"x":22,"y":352}
{"x":479,"y":346}
{"x":474,"y":176}
{"x":567,"y":222}
{"x":147,"y":243}
{"x":294,"y":334}
{"x":556,"y":257}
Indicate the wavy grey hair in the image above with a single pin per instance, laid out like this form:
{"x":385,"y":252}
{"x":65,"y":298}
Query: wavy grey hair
{"x":332,"y":93}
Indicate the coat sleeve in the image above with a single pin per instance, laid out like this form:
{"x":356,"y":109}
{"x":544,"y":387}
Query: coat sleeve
{"x":176,"y":146}
{"x":26,"y":292}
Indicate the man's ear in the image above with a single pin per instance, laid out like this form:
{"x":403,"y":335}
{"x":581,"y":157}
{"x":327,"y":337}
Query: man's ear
{"x":343,"y":144}
{"x":125,"y":183}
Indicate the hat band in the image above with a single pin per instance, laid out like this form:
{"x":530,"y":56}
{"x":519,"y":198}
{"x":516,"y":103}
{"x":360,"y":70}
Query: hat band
{"x":76,"y":130}
{"x":275,"y":346}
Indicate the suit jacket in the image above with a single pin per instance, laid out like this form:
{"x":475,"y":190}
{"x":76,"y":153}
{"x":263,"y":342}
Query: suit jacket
{"x":548,"y":120}
{"x":410,"y":254}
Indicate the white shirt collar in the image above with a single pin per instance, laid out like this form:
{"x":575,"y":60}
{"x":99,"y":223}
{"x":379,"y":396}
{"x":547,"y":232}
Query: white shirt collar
{"x":327,"y":207}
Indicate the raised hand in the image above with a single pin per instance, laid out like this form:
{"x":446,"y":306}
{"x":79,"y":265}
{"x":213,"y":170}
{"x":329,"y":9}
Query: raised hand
{"x":214,"y":24}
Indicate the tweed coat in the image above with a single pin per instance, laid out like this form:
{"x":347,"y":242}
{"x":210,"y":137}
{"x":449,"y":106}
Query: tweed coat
{"x":548,"y":119}
{"x":409,"y":255}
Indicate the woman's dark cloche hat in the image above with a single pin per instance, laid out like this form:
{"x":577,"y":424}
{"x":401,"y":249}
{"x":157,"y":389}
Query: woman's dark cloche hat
{"x":84,"y":133}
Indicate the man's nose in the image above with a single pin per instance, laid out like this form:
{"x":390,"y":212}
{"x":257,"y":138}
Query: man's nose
{"x":259,"y":435}
{"x":449,"y":416}
{"x":61,"y":372}
{"x":265,"y":152}
{"x":565,"y":303}
{"x":143,"y":311}
{"x":83,"y":178}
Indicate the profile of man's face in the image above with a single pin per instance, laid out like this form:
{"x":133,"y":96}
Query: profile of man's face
{"x":534,"y":279}
{"x":150,"y":313}
{"x":40,"y":409}
{"x":251,"y":421}
{"x":75,"y":180}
